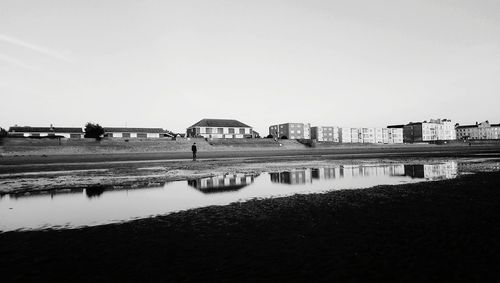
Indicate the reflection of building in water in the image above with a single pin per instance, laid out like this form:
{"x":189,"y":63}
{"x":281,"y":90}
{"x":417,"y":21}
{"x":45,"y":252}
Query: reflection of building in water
{"x":292,"y":177}
{"x":353,"y":171}
{"x":231,"y":182}
{"x":323,"y":173}
{"x":52,"y":193}
{"x":444,"y":170}
{"x":345,"y":171}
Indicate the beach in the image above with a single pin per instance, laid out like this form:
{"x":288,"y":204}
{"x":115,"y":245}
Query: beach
{"x":432,"y":231}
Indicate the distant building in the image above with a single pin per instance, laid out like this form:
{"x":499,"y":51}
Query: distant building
{"x":434,"y":130}
{"x":329,"y":134}
{"x":481,"y":131}
{"x":220,"y":129}
{"x":292,"y":131}
{"x":135,"y":133}
{"x":345,"y":135}
{"x":72,"y":133}
{"x":371,"y":135}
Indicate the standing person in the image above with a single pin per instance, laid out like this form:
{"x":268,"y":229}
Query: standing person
{"x":194,"y":150}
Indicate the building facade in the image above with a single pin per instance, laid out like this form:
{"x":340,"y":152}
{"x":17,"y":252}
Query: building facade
{"x":480,"y":131}
{"x":371,"y":135}
{"x":63,"y":132}
{"x":434,"y":130}
{"x":220,"y":129}
{"x":292,"y":131}
{"x":143,"y":133}
{"x":325,"y":134}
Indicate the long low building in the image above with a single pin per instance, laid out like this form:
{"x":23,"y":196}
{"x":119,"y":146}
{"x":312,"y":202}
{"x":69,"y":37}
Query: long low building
{"x":220,"y":129}
{"x":135,"y":133}
{"x":64,"y":132}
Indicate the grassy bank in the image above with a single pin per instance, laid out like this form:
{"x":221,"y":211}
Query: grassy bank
{"x":431,"y":232}
{"x":39,"y":147}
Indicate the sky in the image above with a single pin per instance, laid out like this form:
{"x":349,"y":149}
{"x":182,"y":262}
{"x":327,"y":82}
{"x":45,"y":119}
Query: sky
{"x":169,"y":64}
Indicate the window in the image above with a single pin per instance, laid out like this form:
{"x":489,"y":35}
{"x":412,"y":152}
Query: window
{"x":220,"y":130}
{"x":142,"y":135}
{"x":75,"y":136}
{"x":126,"y":135}
{"x":231,"y":130}
{"x":242,"y":131}
{"x":209,"y":130}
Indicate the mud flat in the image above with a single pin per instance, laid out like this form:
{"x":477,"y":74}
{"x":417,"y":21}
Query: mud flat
{"x":424,"y":232}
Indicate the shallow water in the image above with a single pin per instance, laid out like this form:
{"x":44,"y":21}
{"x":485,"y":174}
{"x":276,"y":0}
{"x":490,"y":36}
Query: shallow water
{"x":97,"y":205}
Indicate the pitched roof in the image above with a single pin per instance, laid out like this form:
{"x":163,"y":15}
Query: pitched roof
{"x":133,"y":130}
{"x":44,"y":130}
{"x":224,"y":123}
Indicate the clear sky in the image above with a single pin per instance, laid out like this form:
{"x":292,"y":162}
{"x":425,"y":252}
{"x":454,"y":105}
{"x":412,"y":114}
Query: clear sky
{"x":169,"y":64}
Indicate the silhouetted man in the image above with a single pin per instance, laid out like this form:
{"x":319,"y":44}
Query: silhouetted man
{"x":194,"y":150}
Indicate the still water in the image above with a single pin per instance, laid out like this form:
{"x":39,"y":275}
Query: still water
{"x":87,"y":207}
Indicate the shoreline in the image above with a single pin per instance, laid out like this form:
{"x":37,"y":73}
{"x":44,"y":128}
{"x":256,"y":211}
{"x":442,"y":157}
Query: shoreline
{"x":432,"y":231}
{"x":121,"y":175}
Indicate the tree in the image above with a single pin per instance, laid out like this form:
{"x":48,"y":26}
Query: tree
{"x":93,"y":131}
{"x":3,"y":133}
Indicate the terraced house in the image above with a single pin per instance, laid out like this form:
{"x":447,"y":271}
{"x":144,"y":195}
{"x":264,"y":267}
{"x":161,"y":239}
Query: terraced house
{"x":220,"y":129}
{"x":479,"y":131}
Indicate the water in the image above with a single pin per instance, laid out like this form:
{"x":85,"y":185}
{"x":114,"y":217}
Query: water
{"x":94,"y":206}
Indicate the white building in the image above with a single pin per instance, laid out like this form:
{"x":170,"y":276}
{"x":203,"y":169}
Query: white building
{"x":434,"y":130}
{"x":371,"y":135}
{"x":63,"y":132}
{"x":345,"y":135}
{"x":220,"y":129}
{"x":135,"y":133}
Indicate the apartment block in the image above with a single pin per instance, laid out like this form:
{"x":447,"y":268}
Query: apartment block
{"x":329,"y":134}
{"x":479,"y":131}
{"x":434,"y":130}
{"x":371,"y":135}
{"x":291,"y":131}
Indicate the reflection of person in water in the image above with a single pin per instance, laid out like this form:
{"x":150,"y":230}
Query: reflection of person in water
{"x":194,"y":150}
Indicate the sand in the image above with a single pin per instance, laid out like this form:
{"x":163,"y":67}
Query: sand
{"x":443,"y":231}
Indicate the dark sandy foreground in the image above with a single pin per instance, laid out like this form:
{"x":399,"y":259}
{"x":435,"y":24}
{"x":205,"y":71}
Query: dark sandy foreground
{"x":446,"y":231}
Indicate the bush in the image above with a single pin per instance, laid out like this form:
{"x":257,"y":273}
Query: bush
{"x":284,"y":137}
{"x":93,"y":131}
{"x":3,"y":133}
{"x":269,"y":137}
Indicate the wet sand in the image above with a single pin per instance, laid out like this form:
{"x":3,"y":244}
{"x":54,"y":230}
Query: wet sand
{"x":424,"y":232}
